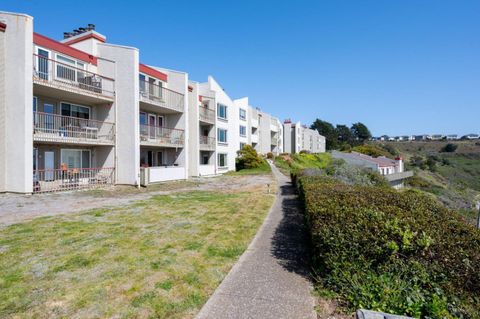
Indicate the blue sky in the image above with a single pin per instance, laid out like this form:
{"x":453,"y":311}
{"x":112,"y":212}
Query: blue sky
{"x":400,"y":67}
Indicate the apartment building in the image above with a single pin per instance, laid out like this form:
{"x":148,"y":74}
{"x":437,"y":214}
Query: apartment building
{"x":392,"y":169}
{"x":81,"y":112}
{"x":298,"y":137}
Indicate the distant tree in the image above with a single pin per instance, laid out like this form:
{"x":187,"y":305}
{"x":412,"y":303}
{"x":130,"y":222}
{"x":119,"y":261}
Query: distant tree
{"x":328,"y":130}
{"x":344,"y":134}
{"x":360,"y":132}
{"x":449,"y":148}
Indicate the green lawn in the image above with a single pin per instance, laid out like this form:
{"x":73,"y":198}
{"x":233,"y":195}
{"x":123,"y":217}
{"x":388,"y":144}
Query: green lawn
{"x":159,"y":258}
{"x":296,"y":162}
{"x":262,"y":170}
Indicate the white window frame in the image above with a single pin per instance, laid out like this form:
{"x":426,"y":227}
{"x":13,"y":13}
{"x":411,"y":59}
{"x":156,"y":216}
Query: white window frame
{"x":218,"y":135}
{"x":85,"y":106}
{"x":76,"y":66}
{"x":225,"y":160}
{"x":245,"y":131}
{"x":218,"y":111}
{"x":163,"y":120}
{"x":77,"y":150}
{"x":35,"y":105}
{"x":244,"y":118}
{"x":163,"y":158}
{"x":49,"y":65}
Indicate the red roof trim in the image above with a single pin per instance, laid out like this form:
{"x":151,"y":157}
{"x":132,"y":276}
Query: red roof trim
{"x":85,"y":37}
{"x":3,"y":26}
{"x":152,"y":72}
{"x":48,"y":43}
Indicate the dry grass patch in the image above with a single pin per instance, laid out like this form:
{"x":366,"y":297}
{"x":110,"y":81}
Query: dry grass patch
{"x":159,"y":258}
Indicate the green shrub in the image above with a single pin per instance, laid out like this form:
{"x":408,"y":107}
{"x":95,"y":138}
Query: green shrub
{"x":449,"y":148}
{"x":398,"y":252}
{"x":371,"y":150}
{"x":248,"y":158}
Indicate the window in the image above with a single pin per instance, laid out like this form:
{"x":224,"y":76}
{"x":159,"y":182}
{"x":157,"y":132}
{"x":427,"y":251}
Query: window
{"x":242,"y":145}
{"x":76,"y":158}
{"x":222,"y":111}
{"x":159,"y":158}
{"x":73,"y":110}
{"x":35,"y":104}
{"x":243,"y":114}
{"x":222,"y":135}
{"x":142,"y":82}
{"x":70,"y":69}
{"x":222,"y":160}
{"x":243,"y":130}
{"x":205,"y":158}
{"x":143,"y":118}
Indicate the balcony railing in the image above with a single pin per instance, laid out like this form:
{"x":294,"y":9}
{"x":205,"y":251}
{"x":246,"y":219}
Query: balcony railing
{"x":54,"y":73}
{"x":58,"y":128}
{"x":158,"y":95}
{"x":162,"y":135}
{"x":206,"y":114}
{"x":54,"y":180}
{"x":207,"y":142}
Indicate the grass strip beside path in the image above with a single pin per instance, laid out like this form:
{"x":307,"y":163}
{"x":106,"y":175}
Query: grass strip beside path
{"x":159,"y":258}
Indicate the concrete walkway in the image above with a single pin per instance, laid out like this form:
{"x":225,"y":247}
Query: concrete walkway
{"x":270,"y":280}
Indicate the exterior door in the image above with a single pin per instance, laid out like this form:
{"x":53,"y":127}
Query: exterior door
{"x":152,"y":126}
{"x":159,"y":158}
{"x":150,"y":158}
{"x":48,"y":109}
{"x":49,"y":165}
{"x":42,"y":64}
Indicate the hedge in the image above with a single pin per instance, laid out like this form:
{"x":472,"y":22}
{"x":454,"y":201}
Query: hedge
{"x":397,"y":252}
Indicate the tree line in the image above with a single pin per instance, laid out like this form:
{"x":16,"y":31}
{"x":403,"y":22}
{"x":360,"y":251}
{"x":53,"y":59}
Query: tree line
{"x":341,"y":136}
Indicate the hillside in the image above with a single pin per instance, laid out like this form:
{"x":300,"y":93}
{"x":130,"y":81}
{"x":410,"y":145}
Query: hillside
{"x":452,"y":177}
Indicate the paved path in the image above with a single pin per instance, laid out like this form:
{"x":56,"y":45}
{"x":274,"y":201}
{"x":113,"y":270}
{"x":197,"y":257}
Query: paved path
{"x":270,"y":280}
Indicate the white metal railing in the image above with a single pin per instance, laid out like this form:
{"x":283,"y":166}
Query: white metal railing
{"x":54,"y":180}
{"x":54,"y":127}
{"x":206,"y":114}
{"x":67,"y":76}
{"x":207,"y":141}
{"x":157,"y":94}
{"x":162,"y":135}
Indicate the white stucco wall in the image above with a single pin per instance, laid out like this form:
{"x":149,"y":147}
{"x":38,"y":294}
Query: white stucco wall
{"x":178,"y":82}
{"x":16,"y":133}
{"x":193,"y":132}
{"x":126,"y":59}
{"x":231,"y":125}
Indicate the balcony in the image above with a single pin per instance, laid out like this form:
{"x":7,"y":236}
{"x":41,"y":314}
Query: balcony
{"x":158,"y":96}
{"x":66,"y":81}
{"x":158,"y":174}
{"x":254,"y":138}
{"x":55,"y":180}
{"x":274,"y":127}
{"x":56,"y":128}
{"x":207,"y":143}
{"x":161,"y":136}
{"x":206,"y":115}
{"x":274,"y":142}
